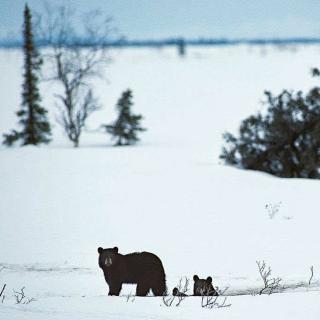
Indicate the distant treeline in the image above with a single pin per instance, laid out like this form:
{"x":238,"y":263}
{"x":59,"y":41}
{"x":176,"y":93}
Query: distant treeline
{"x":176,"y":42}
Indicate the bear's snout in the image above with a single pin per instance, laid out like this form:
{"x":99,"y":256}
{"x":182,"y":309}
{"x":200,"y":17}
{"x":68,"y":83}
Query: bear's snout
{"x":108,"y":262}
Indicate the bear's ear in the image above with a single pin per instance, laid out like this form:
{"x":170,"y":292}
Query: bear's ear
{"x":209,"y":280}
{"x":115,"y":249}
{"x":195,"y":278}
{"x":100,"y":250}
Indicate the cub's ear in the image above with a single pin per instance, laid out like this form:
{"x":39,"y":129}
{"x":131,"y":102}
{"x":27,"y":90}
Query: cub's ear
{"x":100,"y":250}
{"x":195,"y":278}
{"x":209,"y":280}
{"x":115,"y":249}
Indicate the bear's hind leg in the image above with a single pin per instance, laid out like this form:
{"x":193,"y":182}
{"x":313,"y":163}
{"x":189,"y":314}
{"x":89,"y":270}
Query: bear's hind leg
{"x":158,"y":291}
{"x":142,"y":290}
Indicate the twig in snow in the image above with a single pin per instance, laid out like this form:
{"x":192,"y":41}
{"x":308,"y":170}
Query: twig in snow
{"x":311,"y":269}
{"x":2,"y":290}
{"x":131,"y":296}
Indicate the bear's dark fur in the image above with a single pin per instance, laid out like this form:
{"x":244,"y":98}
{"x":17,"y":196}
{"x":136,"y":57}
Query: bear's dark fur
{"x":203,"y":287}
{"x":143,"y":268}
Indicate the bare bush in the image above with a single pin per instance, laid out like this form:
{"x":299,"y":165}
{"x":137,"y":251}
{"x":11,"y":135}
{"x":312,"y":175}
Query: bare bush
{"x":179,"y":293}
{"x":182,"y":289}
{"x":21,"y":297}
{"x":270,"y":284}
{"x":211,"y":302}
{"x":273,"y":209}
{"x":168,"y":300}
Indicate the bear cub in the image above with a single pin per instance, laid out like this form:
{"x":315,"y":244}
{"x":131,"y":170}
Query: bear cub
{"x":142,"y":268}
{"x":203,"y":287}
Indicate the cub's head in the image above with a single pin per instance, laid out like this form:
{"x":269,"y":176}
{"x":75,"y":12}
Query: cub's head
{"x":107,"y":257}
{"x":202,"y":287}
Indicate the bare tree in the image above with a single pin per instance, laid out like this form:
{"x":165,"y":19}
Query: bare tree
{"x":270,"y":284}
{"x":75,"y":59}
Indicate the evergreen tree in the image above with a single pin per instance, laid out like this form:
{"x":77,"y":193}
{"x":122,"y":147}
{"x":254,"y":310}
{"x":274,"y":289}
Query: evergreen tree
{"x":33,"y":118}
{"x":125,"y":129}
{"x":284,"y":140}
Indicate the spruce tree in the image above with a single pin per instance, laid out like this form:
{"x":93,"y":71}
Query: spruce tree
{"x":33,"y":117}
{"x":125,"y":129}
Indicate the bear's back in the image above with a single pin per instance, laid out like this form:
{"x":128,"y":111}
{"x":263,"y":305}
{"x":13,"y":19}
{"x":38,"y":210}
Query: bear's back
{"x":142,"y":259}
{"x":140,"y":264}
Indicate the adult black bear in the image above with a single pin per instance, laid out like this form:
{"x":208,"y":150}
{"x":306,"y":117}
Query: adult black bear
{"x":143,"y":268}
{"x":203,"y":287}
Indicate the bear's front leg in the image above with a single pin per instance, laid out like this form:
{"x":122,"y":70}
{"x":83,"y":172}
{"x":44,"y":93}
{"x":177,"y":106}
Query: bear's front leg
{"x":114,"y":289}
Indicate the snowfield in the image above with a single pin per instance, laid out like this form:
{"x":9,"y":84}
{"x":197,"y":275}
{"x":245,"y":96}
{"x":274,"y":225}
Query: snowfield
{"x":169,"y":195}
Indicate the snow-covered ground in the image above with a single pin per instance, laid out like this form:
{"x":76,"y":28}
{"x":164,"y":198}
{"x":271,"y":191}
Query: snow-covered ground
{"x":169,"y":195}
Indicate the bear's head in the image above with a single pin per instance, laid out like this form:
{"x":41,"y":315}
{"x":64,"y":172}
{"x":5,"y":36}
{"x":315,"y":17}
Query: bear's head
{"x":107,"y":257}
{"x":202,"y":287}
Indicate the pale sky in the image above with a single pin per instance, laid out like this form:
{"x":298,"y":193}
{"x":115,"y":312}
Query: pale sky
{"x":154,"y":19}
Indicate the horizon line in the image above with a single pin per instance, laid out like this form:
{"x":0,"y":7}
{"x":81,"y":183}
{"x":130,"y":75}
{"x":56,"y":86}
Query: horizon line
{"x":174,"y":41}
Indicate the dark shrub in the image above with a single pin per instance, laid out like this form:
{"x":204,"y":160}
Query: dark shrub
{"x":283,"y":141}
